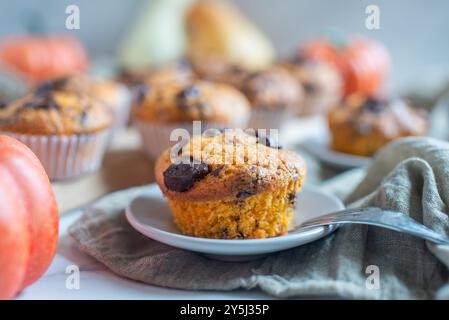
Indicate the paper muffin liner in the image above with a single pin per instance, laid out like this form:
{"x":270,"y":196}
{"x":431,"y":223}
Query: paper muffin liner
{"x":156,"y":136}
{"x":268,"y":119}
{"x":65,"y":157}
{"x":122,"y":109}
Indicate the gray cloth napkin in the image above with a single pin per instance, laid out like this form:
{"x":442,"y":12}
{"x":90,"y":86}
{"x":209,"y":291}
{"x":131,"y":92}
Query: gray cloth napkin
{"x":410,"y":175}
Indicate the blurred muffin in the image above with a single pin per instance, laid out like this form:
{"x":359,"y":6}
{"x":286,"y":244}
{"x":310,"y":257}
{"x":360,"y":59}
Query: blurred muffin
{"x":165,"y":108}
{"x":244,"y":198}
{"x":273,"y":94}
{"x":217,"y":69}
{"x":362,"y":125}
{"x":322,"y":84}
{"x":115,"y":96}
{"x":67,"y":131}
{"x":175,"y":72}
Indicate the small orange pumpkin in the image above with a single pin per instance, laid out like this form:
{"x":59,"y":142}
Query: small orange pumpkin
{"x":39,"y":58}
{"x":29,"y":218}
{"x":363,"y":63}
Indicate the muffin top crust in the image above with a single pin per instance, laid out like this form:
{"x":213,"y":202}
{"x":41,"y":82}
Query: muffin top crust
{"x":316,"y":77}
{"x":368,"y":115}
{"x":108,"y":92}
{"x":272,"y":89}
{"x":176,"y":72}
{"x":197,"y":100}
{"x":227,"y":165}
{"x":50,"y":112}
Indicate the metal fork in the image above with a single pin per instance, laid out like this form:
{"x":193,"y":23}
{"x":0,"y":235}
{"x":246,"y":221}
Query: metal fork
{"x":378,"y":217}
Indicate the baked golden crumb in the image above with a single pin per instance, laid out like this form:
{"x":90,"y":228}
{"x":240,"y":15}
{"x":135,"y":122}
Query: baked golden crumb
{"x":233,"y":186}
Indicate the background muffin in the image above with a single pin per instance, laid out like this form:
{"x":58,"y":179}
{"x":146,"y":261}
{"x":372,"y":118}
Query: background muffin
{"x":112,"y":94}
{"x":244,"y":198}
{"x":362,"y":125}
{"x":68,"y":132}
{"x":322,"y":84}
{"x":273,"y":93}
{"x":165,"y":108}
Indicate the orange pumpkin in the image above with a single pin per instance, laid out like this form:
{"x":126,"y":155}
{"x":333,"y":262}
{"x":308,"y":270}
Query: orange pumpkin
{"x":28,"y":218}
{"x":39,"y":58}
{"x":363,"y":63}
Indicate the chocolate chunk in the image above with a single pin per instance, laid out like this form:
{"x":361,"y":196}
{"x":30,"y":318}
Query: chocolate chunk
{"x":217,"y":171}
{"x":49,"y":85}
{"x":292,"y":198}
{"x":3,"y":104}
{"x":188,"y":93}
{"x":244,"y":194}
{"x":46,"y":102}
{"x":310,"y":88}
{"x":267,"y":140}
{"x":182,"y":176}
{"x":139,"y":91}
{"x":374,"y":105}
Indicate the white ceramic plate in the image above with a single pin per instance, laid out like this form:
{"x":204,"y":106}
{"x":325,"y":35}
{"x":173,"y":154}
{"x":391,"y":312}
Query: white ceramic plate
{"x":150,"y":215}
{"x":319,"y":148}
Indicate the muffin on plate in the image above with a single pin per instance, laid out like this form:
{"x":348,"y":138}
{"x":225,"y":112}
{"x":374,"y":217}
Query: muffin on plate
{"x":322,"y":84}
{"x":67,"y":131}
{"x":273,"y":95}
{"x":231,"y":185}
{"x":163,"y":108}
{"x":112,"y":94}
{"x":362,"y":125}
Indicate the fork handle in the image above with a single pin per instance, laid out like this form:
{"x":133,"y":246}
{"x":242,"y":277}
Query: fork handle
{"x":378,"y":217}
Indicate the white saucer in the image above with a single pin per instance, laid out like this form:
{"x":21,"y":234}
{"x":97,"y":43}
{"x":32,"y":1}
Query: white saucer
{"x":319,"y":148}
{"x":150,"y":215}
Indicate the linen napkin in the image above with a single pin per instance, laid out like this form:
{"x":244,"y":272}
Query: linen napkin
{"x":361,"y":262}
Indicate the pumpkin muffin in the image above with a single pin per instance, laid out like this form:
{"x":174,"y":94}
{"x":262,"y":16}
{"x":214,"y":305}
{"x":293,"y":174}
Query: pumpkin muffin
{"x":321,"y":83}
{"x":175,"y":72}
{"x":273,"y":95}
{"x":231,"y":185}
{"x":362,"y":125}
{"x":162,"y":109}
{"x":67,"y":131}
{"x":112,"y":94}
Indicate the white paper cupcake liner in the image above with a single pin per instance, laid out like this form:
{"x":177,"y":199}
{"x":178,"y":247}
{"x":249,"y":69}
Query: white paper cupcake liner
{"x":267,"y":119}
{"x":156,"y":136}
{"x":65,"y":157}
{"x":122,"y":109}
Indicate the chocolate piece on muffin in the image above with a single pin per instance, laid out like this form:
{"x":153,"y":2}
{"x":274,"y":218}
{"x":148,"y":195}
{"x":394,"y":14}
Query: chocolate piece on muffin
{"x":249,"y":195}
{"x":362,"y":125}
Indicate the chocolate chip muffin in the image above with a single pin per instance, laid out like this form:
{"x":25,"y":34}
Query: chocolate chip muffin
{"x":180,"y":71}
{"x":362,"y":125}
{"x":67,"y":131}
{"x":165,"y":108}
{"x":273,"y":95}
{"x":321,"y":83}
{"x":114,"y":95}
{"x":231,"y":185}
